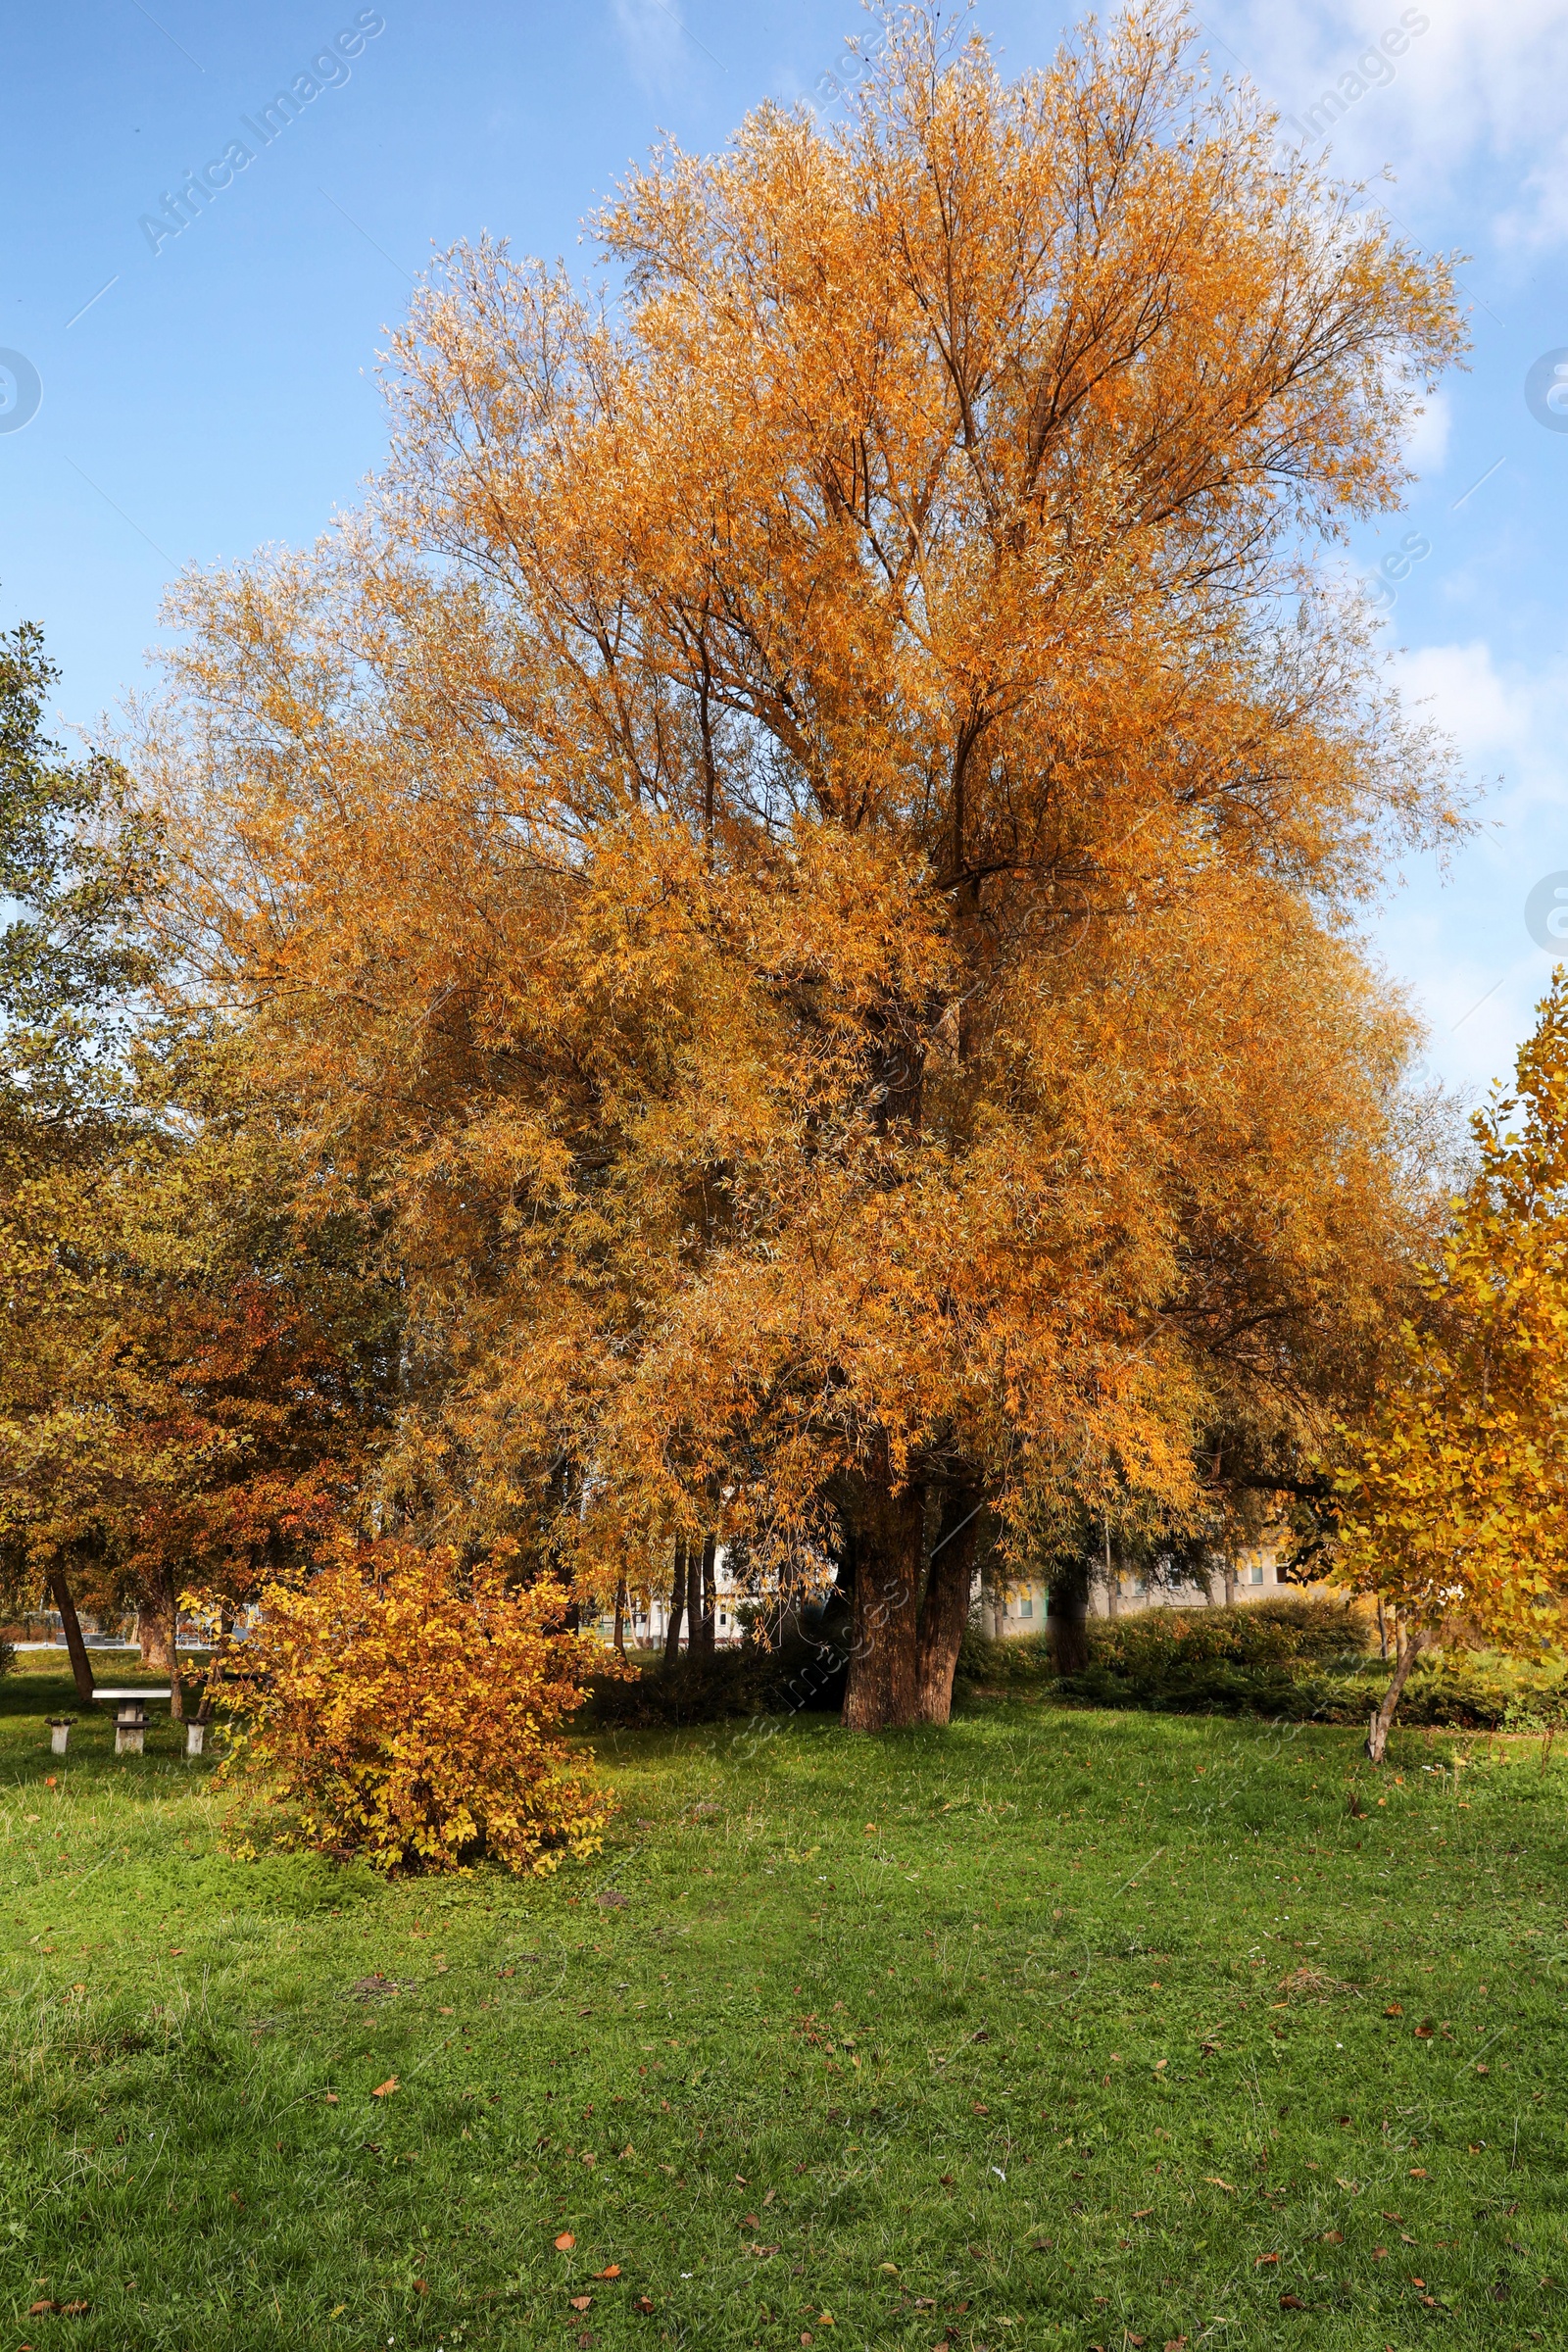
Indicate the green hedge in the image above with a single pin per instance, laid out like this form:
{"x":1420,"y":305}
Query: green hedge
{"x":1294,"y":1657}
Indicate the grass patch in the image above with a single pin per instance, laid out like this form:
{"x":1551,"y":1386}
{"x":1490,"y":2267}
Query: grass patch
{"x":1055,"y":2027}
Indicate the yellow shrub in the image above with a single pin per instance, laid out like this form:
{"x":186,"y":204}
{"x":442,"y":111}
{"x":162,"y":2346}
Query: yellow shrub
{"x":397,"y":1708}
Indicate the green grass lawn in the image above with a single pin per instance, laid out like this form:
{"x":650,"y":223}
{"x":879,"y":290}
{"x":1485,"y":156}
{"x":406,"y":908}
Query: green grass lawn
{"x":1055,"y":2027}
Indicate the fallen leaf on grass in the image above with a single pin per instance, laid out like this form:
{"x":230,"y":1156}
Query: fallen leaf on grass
{"x":36,"y":2311}
{"x":1418,"y":2171}
{"x":331,"y":2098}
{"x":1260,"y":2259}
{"x":1334,"y":2237}
{"x":581,"y":2302}
{"x":643,"y":2304}
{"x":564,"y":2242}
{"x":385,"y":2090}
{"x":611,"y":2269}
{"x":1214,"y":2181}
{"x":1393,"y":2009}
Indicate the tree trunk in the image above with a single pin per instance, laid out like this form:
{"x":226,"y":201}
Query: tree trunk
{"x":176,"y":1697}
{"x":621,"y":1617}
{"x":1066,"y":1617}
{"x":945,"y":1609}
{"x":152,"y":1632}
{"x":694,"y":1599}
{"x":677,"y":1603}
{"x":1112,"y":1581}
{"x":883,"y":1528}
{"x":80,"y":1663}
{"x":1407,"y":1648}
{"x":709,"y":1595}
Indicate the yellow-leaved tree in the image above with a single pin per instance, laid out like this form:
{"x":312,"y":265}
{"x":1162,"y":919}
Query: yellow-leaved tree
{"x":1456,"y":1495}
{"x":802,"y":847}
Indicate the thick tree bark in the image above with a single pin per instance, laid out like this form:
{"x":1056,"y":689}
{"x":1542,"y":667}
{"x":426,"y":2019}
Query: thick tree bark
{"x":945,"y":1607}
{"x":1066,"y":1617}
{"x":709,"y":1595}
{"x":884,"y":1530}
{"x":678,"y":1603}
{"x":152,"y":1632}
{"x":80,"y":1663}
{"x":1407,"y":1648}
{"x":621,"y":1617}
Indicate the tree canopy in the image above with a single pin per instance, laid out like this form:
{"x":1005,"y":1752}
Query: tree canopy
{"x":803,"y":849}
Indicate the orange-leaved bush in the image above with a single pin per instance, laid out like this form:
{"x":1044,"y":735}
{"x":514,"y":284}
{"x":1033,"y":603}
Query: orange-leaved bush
{"x":397,"y":1707}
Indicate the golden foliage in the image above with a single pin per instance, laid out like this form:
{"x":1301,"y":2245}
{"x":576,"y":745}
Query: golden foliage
{"x":1456,"y":1494}
{"x":802,"y":847}
{"x":394,"y":1708}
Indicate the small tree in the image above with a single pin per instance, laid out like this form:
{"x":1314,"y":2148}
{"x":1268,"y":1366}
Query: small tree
{"x":1455,"y":1497}
{"x":397,"y":1708}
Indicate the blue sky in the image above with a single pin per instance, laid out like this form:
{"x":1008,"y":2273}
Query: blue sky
{"x":218,"y":393}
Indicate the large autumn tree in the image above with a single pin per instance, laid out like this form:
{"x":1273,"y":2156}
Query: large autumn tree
{"x":804,"y":846}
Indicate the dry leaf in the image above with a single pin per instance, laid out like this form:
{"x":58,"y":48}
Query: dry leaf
{"x":1214,"y":2181}
{"x":1260,"y":2259}
{"x":385,"y":2090}
{"x":564,"y":2242}
{"x":643,"y":2303}
{"x":611,"y":2269}
{"x":37,"y":2310}
{"x":331,"y":2098}
{"x":581,"y":2302}
{"x":1292,"y":2303}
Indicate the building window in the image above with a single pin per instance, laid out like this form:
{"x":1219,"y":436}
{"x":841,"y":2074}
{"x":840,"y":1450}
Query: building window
{"x":1026,"y":1606}
{"x":1254,"y":1574}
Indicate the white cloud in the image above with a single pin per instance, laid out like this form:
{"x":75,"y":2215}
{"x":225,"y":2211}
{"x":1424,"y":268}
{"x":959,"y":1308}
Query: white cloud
{"x":652,"y":35}
{"x":1461,"y":945}
{"x":1425,"y":444}
{"x":1474,"y":80}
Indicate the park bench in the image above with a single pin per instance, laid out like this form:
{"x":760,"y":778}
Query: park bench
{"x":131,"y":1723}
